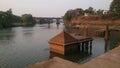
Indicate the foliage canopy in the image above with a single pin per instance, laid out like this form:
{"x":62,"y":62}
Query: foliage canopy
{"x":27,"y":18}
{"x":7,"y":19}
{"x":115,"y":8}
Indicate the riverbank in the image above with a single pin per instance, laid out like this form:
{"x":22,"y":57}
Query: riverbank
{"x":111,"y":59}
{"x":91,"y":30}
{"x":22,"y":24}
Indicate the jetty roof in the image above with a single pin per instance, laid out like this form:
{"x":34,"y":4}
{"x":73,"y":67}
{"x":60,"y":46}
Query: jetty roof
{"x":63,"y":38}
{"x":81,"y":38}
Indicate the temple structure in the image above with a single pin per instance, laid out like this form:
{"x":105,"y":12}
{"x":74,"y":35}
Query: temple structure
{"x":65,"y":43}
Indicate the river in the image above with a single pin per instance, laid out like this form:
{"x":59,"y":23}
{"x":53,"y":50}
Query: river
{"x":23,"y":46}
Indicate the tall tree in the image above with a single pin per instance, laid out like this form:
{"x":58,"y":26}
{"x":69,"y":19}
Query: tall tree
{"x":68,"y":15}
{"x":9,"y":11}
{"x":90,"y":10}
{"x":28,"y":19}
{"x":80,"y":11}
{"x":100,"y":12}
{"x":6,"y":19}
{"x":115,"y":7}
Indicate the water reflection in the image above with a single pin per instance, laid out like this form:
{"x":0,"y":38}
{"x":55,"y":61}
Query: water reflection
{"x":27,"y":45}
{"x":28,"y":32}
{"x":76,"y":57}
{"x":6,"y":35}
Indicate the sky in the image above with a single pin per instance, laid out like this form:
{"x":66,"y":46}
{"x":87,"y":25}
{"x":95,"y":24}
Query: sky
{"x":50,"y":8}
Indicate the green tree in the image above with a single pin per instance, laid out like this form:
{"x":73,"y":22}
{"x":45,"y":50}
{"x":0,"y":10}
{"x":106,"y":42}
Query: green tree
{"x":100,"y":12}
{"x":6,"y":19}
{"x":9,"y":11}
{"x":68,"y":15}
{"x":90,"y":10}
{"x":115,"y":8}
{"x":81,"y":11}
{"x":28,"y":19}
{"x":17,"y":19}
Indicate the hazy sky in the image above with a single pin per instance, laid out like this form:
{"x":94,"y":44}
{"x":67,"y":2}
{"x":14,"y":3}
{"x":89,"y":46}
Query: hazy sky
{"x":50,"y":8}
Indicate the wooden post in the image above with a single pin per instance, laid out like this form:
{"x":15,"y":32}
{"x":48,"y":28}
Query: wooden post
{"x":106,"y":37}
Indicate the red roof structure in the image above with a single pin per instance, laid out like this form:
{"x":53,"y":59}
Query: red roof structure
{"x":63,"y":38}
{"x":65,"y":43}
{"x":81,"y":38}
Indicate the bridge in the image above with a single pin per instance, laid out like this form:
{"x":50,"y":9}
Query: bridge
{"x":56,"y":19}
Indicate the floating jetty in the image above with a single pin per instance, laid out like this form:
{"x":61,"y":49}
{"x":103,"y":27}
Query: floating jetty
{"x":65,"y":43}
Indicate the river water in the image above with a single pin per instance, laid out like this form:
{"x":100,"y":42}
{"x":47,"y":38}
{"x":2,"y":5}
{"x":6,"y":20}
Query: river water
{"x":23,"y":46}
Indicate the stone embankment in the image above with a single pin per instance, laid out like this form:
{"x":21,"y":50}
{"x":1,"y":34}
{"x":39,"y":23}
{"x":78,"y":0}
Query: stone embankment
{"x":111,"y":59}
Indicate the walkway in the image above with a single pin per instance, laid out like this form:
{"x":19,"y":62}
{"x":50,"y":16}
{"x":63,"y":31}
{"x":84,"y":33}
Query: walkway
{"x":110,"y":59}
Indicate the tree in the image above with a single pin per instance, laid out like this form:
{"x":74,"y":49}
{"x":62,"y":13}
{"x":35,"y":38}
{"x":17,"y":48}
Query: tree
{"x":90,"y":10}
{"x":9,"y":11}
{"x":68,"y":15}
{"x":100,"y":12}
{"x":80,"y":11}
{"x":6,"y":19}
{"x":115,"y":8}
{"x":28,"y":19}
{"x":17,"y":19}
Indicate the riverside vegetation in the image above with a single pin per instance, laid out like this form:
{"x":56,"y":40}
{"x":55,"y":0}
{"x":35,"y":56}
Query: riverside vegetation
{"x":93,"y":23}
{"x":8,"y":19}
{"x":90,"y":20}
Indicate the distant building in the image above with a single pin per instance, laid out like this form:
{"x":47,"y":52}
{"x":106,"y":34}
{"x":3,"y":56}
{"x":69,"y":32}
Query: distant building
{"x":86,"y":14}
{"x":105,"y":12}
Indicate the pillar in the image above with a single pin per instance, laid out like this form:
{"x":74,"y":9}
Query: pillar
{"x":48,"y":24}
{"x":57,"y":23}
{"x":83,"y":47}
{"x":79,"y":46}
{"x":91,"y":46}
{"x":86,"y":46}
